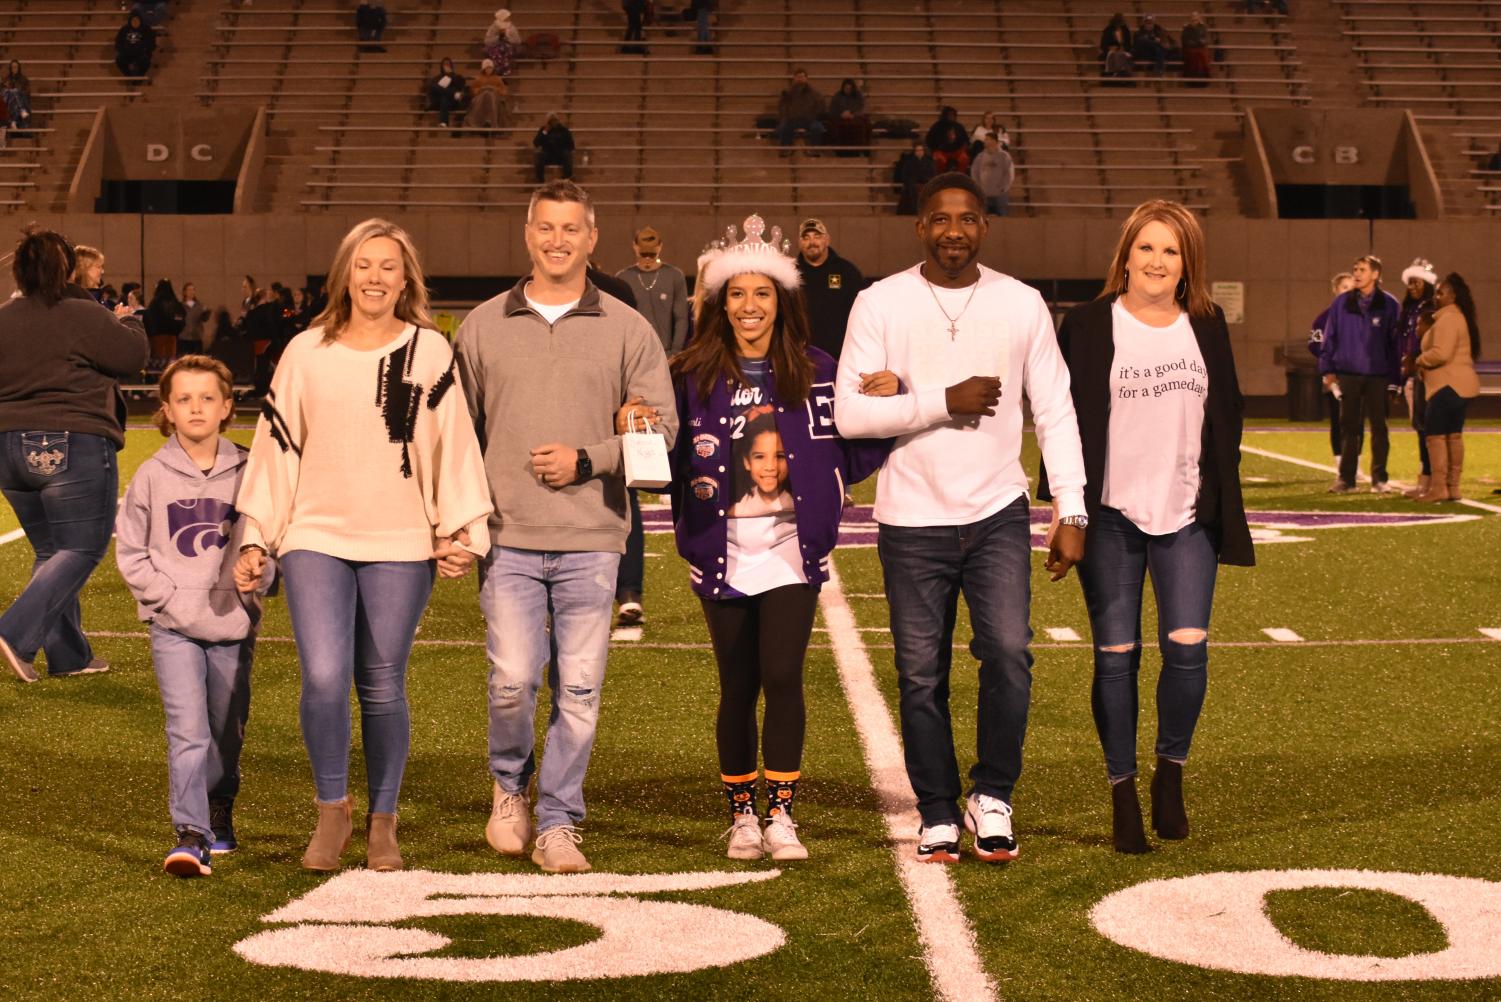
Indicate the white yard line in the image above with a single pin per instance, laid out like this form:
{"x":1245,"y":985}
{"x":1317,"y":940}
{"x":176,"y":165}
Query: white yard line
{"x":1296,"y":461}
{"x":12,"y":536}
{"x":948,"y":942}
{"x":1490,"y":631}
{"x":1062,"y":634}
{"x":1282,"y":635}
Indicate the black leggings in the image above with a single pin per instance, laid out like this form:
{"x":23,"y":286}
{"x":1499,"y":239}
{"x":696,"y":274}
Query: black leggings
{"x":760,"y":643}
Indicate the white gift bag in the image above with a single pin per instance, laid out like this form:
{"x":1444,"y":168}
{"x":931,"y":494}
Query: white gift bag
{"x":645,"y":455}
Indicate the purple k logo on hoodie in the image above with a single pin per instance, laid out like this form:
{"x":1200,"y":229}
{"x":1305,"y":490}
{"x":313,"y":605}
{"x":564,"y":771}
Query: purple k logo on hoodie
{"x":200,"y":524}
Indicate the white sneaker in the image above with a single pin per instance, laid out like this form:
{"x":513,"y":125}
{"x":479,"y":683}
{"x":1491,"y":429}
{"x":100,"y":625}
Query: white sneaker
{"x":939,"y":844}
{"x":745,"y":837}
{"x":510,"y":826}
{"x":989,"y":820}
{"x":780,"y":838}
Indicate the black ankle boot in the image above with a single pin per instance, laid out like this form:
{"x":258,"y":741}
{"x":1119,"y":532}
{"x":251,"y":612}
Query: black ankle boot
{"x":1125,"y":818}
{"x":1169,"y":816}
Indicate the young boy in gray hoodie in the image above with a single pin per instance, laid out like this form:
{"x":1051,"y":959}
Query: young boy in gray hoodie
{"x":176,"y":541}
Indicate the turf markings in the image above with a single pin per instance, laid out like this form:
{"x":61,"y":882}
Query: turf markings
{"x":1297,"y":461}
{"x":948,"y":941}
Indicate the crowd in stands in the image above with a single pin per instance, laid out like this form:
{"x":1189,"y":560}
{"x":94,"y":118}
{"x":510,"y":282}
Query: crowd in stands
{"x":1121,"y":49}
{"x":642,"y":14}
{"x":15,"y":92}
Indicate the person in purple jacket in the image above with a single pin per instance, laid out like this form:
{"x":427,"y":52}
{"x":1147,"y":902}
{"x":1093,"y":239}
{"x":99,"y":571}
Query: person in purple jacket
{"x":1363,"y":357}
{"x":1339,"y":284}
{"x":759,"y":480}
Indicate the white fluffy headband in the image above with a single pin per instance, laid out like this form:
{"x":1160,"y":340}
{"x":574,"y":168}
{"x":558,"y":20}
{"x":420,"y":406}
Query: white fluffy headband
{"x":727,"y":257}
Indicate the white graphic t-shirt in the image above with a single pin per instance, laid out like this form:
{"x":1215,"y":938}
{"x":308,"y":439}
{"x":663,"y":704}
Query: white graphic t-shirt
{"x":763,"y":551}
{"x":1157,"y":390}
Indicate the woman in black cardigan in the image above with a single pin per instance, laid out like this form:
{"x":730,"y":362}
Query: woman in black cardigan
{"x":1159,"y":412}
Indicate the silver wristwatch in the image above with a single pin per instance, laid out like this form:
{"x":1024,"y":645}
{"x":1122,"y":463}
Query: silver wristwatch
{"x":1077,"y":521}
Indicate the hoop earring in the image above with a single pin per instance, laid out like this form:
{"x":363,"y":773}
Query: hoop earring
{"x":1182,"y":289}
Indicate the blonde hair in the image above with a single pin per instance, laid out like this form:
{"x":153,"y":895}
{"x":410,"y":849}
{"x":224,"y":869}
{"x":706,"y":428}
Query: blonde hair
{"x":1190,"y":237}
{"x":83,"y":256}
{"x":1334,"y":282}
{"x":192,"y":363}
{"x":411,"y":303}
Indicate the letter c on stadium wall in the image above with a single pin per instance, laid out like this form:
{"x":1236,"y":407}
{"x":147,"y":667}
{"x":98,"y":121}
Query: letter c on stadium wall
{"x":344,"y":926}
{"x":1219,"y":921}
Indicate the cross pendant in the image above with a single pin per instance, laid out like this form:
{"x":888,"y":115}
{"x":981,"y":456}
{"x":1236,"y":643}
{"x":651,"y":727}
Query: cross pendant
{"x":953,"y":330}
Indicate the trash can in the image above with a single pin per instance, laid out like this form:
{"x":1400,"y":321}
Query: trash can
{"x":1304,"y":392}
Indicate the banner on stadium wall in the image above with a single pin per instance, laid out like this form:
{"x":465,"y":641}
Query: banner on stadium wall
{"x":1347,"y":146}
{"x":162,"y":144}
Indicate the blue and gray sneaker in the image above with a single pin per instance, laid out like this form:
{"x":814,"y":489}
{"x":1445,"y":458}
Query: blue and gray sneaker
{"x":221,"y":818}
{"x":190,"y":858}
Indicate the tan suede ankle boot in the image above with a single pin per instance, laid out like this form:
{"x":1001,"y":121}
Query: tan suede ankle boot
{"x":381,"y":854}
{"x":331,"y":837}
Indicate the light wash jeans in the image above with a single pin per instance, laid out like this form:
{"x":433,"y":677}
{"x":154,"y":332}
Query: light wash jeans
{"x":206,"y":696}
{"x":518,"y":589}
{"x":355,"y":622}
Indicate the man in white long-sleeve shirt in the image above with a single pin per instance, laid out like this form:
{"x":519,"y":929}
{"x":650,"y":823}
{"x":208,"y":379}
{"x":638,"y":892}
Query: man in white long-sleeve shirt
{"x":952,"y":503}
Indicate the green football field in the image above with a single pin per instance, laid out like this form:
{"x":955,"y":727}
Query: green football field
{"x":1360,"y":734}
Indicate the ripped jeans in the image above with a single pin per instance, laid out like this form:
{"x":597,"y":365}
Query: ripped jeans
{"x":519,"y":589}
{"x":1116,"y":564}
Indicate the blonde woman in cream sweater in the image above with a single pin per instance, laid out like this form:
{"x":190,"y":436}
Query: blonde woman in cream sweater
{"x":364,"y":480}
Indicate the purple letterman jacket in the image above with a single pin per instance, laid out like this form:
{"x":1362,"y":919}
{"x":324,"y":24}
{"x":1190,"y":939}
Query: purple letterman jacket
{"x":821,"y":466}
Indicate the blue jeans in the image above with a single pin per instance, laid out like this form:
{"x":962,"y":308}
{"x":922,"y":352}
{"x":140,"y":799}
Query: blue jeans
{"x":63,"y":486}
{"x":787,"y":131}
{"x":206,"y":696}
{"x":1183,"y":567}
{"x":518,"y":590}
{"x":926,"y":568}
{"x":354,"y":623}
{"x":704,"y":14}
{"x":998,"y":205}
{"x":629,"y":583}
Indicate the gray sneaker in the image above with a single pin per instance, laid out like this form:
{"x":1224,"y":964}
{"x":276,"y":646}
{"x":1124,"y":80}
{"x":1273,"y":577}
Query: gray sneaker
{"x":510,"y":825}
{"x":1340,"y":487}
{"x":557,"y":851}
{"x":23,"y":669}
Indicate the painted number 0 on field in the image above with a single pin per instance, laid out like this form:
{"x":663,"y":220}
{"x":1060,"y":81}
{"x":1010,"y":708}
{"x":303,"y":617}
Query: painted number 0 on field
{"x":343,"y":926}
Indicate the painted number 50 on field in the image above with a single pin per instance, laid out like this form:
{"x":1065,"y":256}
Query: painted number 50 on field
{"x":344,"y":927}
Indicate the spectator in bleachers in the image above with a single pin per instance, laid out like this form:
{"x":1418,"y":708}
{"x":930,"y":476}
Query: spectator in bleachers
{"x":15,"y":90}
{"x":88,"y":272}
{"x":913,"y":170}
{"x":988,"y":126}
{"x":1493,"y":162}
{"x":109,"y":297}
{"x":799,"y":109}
{"x":164,"y":319}
{"x":851,"y":126}
{"x":195,"y":320}
{"x":370,"y":24}
{"x":1153,"y":43}
{"x":1195,"y":44}
{"x":135,"y":43}
{"x":153,"y":12}
{"x":1118,"y":68}
{"x":446,"y":92}
{"x":635,"y":16}
{"x":501,"y":41}
{"x":554,"y":143}
{"x":993,"y":171}
{"x":948,"y":142}
{"x":703,"y":13}
{"x":130,"y":295}
{"x":1263,"y":6}
{"x":487,"y":99}
{"x":1116,"y":33}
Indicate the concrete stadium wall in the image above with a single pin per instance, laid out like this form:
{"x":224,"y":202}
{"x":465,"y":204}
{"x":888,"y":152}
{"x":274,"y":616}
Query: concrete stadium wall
{"x":1285,"y":264}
